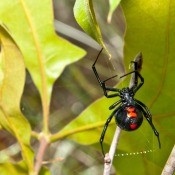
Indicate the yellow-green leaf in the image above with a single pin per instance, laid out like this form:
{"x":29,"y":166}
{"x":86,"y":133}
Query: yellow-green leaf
{"x":45,"y":54}
{"x":19,"y":169}
{"x":15,"y":169}
{"x":12,"y":71}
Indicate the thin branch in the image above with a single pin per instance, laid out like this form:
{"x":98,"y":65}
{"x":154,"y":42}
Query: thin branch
{"x":109,"y":156}
{"x":169,"y":168}
{"x":35,"y":134}
{"x":41,"y":151}
{"x":66,"y":133}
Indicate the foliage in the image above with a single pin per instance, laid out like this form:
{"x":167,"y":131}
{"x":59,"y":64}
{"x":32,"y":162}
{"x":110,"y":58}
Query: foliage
{"x":30,"y":42}
{"x":45,"y":56}
{"x":12,"y":82}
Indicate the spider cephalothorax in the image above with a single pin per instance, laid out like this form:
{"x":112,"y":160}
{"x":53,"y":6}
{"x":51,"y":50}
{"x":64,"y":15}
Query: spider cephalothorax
{"x":127,"y":95}
{"x":128,"y":111}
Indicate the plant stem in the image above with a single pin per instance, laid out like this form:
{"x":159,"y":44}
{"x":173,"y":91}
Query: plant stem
{"x":66,"y":133}
{"x":169,"y":168}
{"x":39,"y":157}
{"x":109,"y":156}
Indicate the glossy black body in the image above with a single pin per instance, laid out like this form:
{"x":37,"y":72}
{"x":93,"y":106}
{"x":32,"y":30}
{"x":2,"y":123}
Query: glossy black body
{"x":129,"y":120}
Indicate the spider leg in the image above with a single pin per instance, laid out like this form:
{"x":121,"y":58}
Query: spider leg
{"x":105,"y":128}
{"x":148,"y":117}
{"x":115,"y":104}
{"x":94,"y":69}
{"x":135,"y":87}
{"x":102,"y":83}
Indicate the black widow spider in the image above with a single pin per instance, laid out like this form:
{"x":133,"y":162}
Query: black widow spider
{"x":128,"y":111}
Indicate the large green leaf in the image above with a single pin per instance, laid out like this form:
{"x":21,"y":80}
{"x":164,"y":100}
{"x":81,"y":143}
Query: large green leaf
{"x":151,"y":30}
{"x":30,"y":23}
{"x":12,"y":73}
{"x":87,"y":126}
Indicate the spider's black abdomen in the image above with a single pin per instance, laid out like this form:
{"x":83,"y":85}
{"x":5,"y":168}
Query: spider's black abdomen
{"x":129,"y":118}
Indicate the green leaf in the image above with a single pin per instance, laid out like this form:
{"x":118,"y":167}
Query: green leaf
{"x":151,"y":30}
{"x":86,"y":128}
{"x":44,"y":171}
{"x":45,"y":54}
{"x":12,"y":76}
{"x":19,"y":169}
{"x":15,"y":169}
{"x":113,"y":4}
{"x":85,"y":16}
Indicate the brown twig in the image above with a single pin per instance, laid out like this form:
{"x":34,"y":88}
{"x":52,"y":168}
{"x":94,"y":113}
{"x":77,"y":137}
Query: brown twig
{"x":41,"y":151}
{"x":109,"y":156}
{"x":169,"y":168}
